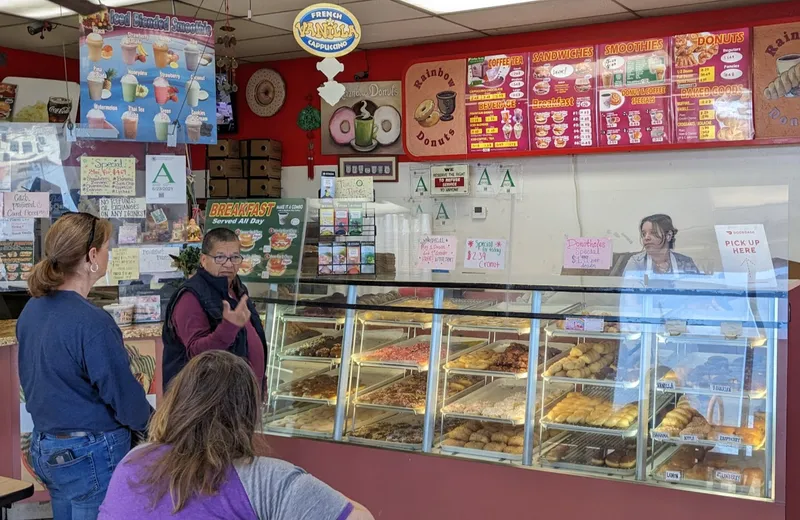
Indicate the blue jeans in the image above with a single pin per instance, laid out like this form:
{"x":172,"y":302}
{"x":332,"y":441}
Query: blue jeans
{"x":77,"y":487}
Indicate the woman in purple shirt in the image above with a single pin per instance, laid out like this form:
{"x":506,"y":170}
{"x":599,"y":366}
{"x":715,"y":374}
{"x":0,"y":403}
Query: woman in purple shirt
{"x":201,"y":464}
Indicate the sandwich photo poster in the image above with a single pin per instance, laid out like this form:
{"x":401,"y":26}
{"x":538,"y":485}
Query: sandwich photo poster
{"x":365,"y":121}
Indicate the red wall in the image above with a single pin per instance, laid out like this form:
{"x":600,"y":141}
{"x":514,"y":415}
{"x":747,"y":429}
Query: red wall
{"x":35,"y":65}
{"x":302,"y":78}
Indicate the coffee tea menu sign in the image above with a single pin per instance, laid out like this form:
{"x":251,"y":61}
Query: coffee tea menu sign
{"x":712,"y":86}
{"x":563,"y":99}
{"x":776,"y":62}
{"x":497,"y":102}
{"x":270,"y":231}
{"x":633,"y":92}
{"x":434,"y":108}
{"x":143,"y":72}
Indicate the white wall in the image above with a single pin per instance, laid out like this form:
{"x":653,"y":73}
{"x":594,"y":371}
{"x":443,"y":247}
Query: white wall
{"x":607,"y":195}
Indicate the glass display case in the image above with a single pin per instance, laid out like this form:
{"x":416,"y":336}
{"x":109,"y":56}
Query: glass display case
{"x":670,"y":381}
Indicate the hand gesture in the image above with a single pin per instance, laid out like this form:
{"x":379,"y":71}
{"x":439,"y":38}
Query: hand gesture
{"x":238,"y":316}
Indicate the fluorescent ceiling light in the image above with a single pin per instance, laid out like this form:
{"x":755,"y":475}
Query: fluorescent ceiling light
{"x":455,"y":6}
{"x":45,"y":10}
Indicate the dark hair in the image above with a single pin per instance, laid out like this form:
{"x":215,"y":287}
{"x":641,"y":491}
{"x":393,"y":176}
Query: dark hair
{"x":663,"y":226}
{"x":208,"y":418}
{"x":66,"y":248}
{"x":215,"y":236}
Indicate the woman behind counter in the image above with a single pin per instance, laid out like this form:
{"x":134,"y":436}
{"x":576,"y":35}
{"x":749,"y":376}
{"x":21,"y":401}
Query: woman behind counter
{"x":75,"y":372}
{"x":657,"y":234}
{"x":202,"y":465}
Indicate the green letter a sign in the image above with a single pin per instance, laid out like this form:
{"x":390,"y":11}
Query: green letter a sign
{"x":165,"y":172}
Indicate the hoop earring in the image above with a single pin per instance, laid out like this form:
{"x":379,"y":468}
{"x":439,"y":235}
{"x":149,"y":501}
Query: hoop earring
{"x":94,"y":268}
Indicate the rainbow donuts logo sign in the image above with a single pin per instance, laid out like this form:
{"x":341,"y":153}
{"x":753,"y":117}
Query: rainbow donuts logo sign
{"x":327,"y":30}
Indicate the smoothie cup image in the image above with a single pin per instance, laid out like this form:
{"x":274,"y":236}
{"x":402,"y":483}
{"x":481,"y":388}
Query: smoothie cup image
{"x":130,"y":124}
{"x":95,"y":81}
{"x":192,"y":93}
{"x":128,"y":46}
{"x":507,"y":131}
{"x":161,"y":52}
{"x":517,"y":130}
{"x":161,"y":86}
{"x":94,"y":44}
{"x":97,"y":119}
{"x":193,"y":125}
{"x":191,"y":54}
{"x":129,"y":84}
{"x":161,"y":123}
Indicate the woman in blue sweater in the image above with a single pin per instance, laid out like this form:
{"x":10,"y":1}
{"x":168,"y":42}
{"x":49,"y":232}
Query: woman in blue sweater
{"x":74,"y":371}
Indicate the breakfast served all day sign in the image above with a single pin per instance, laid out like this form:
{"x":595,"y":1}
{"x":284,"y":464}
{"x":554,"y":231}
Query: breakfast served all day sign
{"x":270,"y":234}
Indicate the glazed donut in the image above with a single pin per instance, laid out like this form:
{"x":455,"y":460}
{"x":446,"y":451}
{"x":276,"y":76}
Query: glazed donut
{"x":424,"y":110}
{"x":387,"y":120}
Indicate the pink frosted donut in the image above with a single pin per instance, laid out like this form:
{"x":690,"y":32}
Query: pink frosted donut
{"x":343,"y":125}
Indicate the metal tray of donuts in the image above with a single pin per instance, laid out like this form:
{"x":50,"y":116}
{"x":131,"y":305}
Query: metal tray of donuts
{"x":581,"y":453}
{"x":390,"y":419}
{"x":288,"y":353}
{"x":338,"y":321}
{"x":694,"y":361}
{"x":413,"y":317}
{"x":623,"y":397}
{"x":660,"y":474}
{"x":556,"y":328}
{"x":737,"y":327}
{"x":461,"y":345}
{"x":498,"y":346}
{"x":375,"y":378}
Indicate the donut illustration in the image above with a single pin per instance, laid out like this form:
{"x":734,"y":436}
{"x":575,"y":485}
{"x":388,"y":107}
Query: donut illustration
{"x":387,"y":119}
{"x":342,"y":125}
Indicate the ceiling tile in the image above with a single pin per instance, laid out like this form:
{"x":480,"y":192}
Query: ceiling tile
{"x":563,"y":23}
{"x":636,"y":5}
{"x":246,"y":30}
{"x":540,"y":12}
{"x":11,"y":20}
{"x":703,"y":6}
{"x":419,"y":28}
{"x":259,"y":46}
{"x":420,"y":41}
{"x":366,"y":11}
{"x":17,"y":37}
{"x":277,"y":57}
{"x":239,"y":7}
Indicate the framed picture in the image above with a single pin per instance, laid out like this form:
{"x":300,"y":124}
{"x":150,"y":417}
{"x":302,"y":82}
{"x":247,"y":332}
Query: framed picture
{"x":381,"y":169}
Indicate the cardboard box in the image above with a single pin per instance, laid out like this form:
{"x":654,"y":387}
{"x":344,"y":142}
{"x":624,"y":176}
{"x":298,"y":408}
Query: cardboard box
{"x":224,"y":148}
{"x":267,"y":148}
{"x":259,"y":187}
{"x":217,"y":188}
{"x":225,"y":168}
{"x":237,"y":188}
{"x":265,"y":168}
{"x":275,"y":188}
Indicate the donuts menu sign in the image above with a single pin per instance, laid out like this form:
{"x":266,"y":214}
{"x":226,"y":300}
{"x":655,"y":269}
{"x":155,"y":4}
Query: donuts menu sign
{"x":712,"y":86}
{"x":142,"y":72}
{"x":497,"y":103}
{"x":562,"y":100}
{"x":633,"y":93}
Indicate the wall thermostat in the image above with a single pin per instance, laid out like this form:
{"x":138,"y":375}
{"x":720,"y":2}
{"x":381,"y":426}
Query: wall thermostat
{"x":478,"y":213}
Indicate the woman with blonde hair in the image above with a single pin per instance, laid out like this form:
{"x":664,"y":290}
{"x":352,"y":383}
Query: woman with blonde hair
{"x":201,"y":462}
{"x":75,"y":372}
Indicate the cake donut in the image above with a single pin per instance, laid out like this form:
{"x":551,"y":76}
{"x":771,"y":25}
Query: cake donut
{"x":343,"y":126}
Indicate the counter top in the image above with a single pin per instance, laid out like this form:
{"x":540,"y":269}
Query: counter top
{"x":8,"y":334}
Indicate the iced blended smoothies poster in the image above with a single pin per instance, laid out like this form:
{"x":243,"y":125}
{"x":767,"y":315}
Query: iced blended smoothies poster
{"x":497,"y":103}
{"x":562,"y":100}
{"x":713,"y":86}
{"x":633,"y":93}
{"x":141,"y":72}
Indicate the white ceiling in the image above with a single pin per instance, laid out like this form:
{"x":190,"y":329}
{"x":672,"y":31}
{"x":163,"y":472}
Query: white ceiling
{"x":385,"y":23}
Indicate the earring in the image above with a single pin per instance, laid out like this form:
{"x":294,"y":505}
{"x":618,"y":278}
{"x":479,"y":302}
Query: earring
{"x":94,"y":268}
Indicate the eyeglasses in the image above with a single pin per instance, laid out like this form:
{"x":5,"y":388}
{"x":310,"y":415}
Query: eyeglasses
{"x":91,"y":235}
{"x":221,"y":259}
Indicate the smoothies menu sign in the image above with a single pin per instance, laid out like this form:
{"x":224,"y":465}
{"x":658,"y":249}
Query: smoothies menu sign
{"x":270,"y":233}
{"x":141,"y":72}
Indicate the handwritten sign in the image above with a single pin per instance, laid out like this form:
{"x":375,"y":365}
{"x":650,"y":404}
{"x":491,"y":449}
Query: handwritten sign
{"x":354,"y":188}
{"x":112,"y":176}
{"x":122,"y":208}
{"x":437,"y":252}
{"x":128,"y":234}
{"x":485,"y":253}
{"x":587,"y":253}
{"x":124,"y":263}
{"x":157,"y":259}
{"x":16,"y":229}
{"x":26,"y":204}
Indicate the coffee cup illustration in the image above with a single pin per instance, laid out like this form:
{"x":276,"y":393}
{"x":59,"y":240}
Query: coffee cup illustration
{"x":447,"y":104}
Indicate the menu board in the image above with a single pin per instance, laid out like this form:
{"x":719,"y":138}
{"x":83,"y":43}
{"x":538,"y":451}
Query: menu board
{"x":270,"y":233}
{"x":142,"y":72}
{"x":633,"y":93}
{"x":497,"y":103}
{"x":776,"y":63}
{"x":562,"y":99}
{"x":17,"y":260}
{"x":712,"y":86}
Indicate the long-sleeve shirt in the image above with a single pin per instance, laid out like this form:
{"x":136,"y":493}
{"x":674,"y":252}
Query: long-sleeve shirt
{"x":194,"y":330}
{"x":74,"y":369}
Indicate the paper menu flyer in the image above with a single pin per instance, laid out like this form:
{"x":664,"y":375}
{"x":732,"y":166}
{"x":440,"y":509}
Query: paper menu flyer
{"x":633,"y":93}
{"x":497,"y":100}
{"x":562,"y":98}
{"x":141,"y":71}
{"x":712,"y":87}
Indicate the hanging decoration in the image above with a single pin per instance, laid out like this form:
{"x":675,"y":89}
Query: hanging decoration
{"x":309,"y":120}
{"x":328,"y":31}
{"x":266,"y":92}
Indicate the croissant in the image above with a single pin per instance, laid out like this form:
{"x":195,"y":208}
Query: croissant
{"x":590,"y":357}
{"x":783,"y":84}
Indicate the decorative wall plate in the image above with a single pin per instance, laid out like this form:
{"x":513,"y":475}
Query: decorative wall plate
{"x":266,"y":92}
